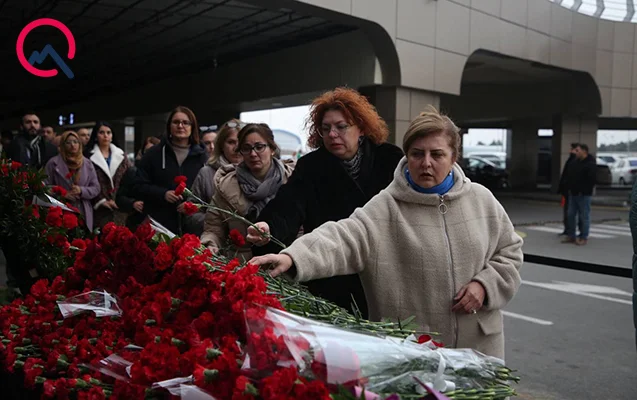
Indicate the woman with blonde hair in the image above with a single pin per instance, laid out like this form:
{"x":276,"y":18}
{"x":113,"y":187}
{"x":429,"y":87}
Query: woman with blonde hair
{"x":225,"y":152}
{"x":432,"y":245}
{"x":352,"y":163}
{"x":75,"y":173}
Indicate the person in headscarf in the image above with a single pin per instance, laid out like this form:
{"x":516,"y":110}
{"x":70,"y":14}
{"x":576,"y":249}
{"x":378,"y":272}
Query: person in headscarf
{"x":75,"y":173}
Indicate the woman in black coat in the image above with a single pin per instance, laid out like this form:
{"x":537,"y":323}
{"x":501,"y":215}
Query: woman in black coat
{"x":180,"y":153}
{"x":351,"y":165}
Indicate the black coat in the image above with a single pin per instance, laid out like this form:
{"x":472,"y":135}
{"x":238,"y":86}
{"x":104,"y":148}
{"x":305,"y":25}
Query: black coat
{"x":124,"y":199}
{"x":321,"y":190}
{"x":155,"y":176}
{"x":563,"y":188}
{"x":581,"y":177}
{"x":20,"y":151}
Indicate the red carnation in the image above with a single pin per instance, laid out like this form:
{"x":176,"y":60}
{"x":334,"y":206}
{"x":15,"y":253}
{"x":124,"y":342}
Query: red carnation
{"x":69,"y":175}
{"x":15,"y":165}
{"x":181,"y":179}
{"x":190,"y":208}
{"x":35,"y":210}
{"x":54,"y":217}
{"x":59,"y":190}
{"x":69,"y":221}
{"x":79,"y":243}
{"x":237,"y":238}
{"x":180,"y":189}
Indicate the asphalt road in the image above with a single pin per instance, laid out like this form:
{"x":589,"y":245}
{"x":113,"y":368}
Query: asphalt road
{"x":577,"y":339}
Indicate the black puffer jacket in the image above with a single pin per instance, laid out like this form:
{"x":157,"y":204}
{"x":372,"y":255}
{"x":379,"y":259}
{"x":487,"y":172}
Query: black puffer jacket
{"x":155,"y":176}
{"x":582,"y":176}
{"x":321,"y":190}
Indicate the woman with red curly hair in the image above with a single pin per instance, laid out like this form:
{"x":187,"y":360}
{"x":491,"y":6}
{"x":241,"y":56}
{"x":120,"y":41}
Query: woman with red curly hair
{"x":351,"y":165}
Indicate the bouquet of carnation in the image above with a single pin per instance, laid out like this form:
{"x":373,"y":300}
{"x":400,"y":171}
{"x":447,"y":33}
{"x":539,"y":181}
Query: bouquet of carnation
{"x":380,"y":364}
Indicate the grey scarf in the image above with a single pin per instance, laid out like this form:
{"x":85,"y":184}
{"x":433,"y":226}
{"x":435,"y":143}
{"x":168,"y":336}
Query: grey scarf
{"x":353,"y":166}
{"x":34,"y":146}
{"x":260,"y":193}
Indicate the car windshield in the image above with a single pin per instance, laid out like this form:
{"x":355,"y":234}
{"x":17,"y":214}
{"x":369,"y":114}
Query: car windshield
{"x":633,"y":163}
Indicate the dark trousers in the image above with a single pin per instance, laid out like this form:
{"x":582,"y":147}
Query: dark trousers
{"x":565,"y":211}
{"x":16,"y":269}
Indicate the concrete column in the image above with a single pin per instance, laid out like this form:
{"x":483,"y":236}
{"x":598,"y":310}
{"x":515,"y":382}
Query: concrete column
{"x":567,"y":130}
{"x":398,"y":106}
{"x":524,"y":146}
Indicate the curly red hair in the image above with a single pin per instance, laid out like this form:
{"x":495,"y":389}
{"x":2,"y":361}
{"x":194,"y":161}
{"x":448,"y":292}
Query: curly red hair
{"x":356,"y":109}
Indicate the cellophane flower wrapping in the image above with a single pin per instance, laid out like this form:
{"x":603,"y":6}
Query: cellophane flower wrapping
{"x":102,"y":303}
{"x":380,"y":364}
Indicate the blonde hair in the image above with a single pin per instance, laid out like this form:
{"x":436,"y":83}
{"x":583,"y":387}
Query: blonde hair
{"x":432,"y":122}
{"x":222,"y":136}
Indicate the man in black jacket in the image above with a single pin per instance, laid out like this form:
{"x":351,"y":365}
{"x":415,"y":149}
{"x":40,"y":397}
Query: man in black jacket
{"x":580,"y":184}
{"x":563,"y":187}
{"x":28,"y":147}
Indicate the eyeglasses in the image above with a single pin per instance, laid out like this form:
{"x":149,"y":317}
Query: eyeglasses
{"x":340,"y":129}
{"x":247,"y":149}
{"x":71,"y":142}
{"x":211,"y":128}
{"x":235,"y":124}
{"x":177,"y":122}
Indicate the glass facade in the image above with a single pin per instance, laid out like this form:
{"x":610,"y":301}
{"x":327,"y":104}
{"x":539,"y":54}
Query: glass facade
{"x":615,"y":10}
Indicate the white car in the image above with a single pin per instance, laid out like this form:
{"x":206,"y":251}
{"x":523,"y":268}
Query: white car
{"x":625,"y":170}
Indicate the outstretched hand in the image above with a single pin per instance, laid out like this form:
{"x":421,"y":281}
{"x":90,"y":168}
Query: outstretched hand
{"x":279,"y":263}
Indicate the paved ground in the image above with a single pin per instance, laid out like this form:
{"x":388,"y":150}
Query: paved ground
{"x":579,"y":342}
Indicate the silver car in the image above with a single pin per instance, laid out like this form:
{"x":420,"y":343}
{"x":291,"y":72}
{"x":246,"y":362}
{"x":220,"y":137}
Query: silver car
{"x":625,"y":170}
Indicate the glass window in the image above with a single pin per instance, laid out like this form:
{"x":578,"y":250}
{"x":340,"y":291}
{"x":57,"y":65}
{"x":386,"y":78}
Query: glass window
{"x":633,"y":163}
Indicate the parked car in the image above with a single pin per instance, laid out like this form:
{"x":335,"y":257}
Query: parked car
{"x":604,"y":177}
{"x":497,"y":158}
{"x":624,"y":171}
{"x":485,"y":172}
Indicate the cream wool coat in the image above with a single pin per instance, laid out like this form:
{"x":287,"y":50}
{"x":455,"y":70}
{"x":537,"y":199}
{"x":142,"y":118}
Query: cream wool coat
{"x":413,"y":259}
{"x":228,"y":196}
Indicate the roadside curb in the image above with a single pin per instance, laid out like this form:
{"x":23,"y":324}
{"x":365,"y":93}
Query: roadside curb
{"x":540,"y":223}
{"x":594,"y":202}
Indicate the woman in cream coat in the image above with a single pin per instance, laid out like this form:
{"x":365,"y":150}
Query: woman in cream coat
{"x":433,"y":245}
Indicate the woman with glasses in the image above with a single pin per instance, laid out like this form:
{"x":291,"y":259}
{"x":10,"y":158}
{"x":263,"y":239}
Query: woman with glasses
{"x":75,"y":173}
{"x":245,"y":189}
{"x":110,"y":164}
{"x":178,"y":154}
{"x":225,"y":152}
{"x":351,"y":165}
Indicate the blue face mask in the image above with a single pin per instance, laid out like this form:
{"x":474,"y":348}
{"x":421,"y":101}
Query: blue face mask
{"x":439,"y":189}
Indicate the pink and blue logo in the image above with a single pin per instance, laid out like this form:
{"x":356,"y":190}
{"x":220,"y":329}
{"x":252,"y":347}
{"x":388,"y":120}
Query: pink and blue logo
{"x":38,"y":57}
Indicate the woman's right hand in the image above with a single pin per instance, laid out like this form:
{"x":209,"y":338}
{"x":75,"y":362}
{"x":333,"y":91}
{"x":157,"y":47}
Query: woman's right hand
{"x":255,"y":237}
{"x":279,"y":263}
{"x":71,"y":197}
{"x":138,"y":206}
{"x":171,"y":197}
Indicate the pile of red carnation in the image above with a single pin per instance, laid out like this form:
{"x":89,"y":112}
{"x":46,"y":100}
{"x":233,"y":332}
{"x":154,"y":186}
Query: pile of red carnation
{"x":182,"y":316}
